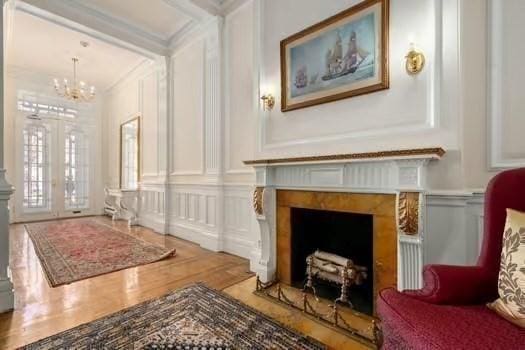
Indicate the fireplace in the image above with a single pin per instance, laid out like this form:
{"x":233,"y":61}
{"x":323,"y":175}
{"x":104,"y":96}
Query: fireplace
{"x":361,"y":227}
{"x":347,"y":235}
{"x":386,"y":187}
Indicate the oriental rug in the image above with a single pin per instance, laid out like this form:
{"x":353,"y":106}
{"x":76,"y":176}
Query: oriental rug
{"x":195,"y":317}
{"x":75,"y":249}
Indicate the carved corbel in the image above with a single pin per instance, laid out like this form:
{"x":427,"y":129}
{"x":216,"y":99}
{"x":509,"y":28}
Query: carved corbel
{"x":258,"y":200}
{"x":408,"y":212}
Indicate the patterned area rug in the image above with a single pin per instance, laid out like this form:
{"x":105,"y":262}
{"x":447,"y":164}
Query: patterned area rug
{"x":75,"y":249}
{"x":195,"y":317}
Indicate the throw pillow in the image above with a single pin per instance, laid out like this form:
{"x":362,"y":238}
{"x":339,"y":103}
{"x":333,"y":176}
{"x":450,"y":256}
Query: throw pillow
{"x":511,"y":283}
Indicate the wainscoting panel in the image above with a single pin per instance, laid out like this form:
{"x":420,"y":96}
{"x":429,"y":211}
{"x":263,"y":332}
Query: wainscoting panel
{"x":193,"y":214}
{"x":454,"y":228}
{"x":152,"y":207}
{"x":239,"y":221}
{"x":217,"y":217}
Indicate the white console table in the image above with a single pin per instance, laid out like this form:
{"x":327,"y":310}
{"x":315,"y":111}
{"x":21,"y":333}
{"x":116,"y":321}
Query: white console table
{"x":122,"y":204}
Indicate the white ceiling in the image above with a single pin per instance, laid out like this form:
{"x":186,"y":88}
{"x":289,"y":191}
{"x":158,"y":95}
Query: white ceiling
{"x":155,"y":17}
{"x":46,"y":48}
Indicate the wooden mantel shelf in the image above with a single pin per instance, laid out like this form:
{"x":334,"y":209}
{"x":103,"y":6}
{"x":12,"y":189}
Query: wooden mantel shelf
{"x":432,"y":153}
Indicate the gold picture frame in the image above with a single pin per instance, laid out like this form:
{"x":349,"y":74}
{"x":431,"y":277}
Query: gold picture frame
{"x":343,"y":56}
{"x":138,"y":153}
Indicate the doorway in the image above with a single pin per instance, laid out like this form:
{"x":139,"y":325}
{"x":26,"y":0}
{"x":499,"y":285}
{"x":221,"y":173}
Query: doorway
{"x":54,"y":157}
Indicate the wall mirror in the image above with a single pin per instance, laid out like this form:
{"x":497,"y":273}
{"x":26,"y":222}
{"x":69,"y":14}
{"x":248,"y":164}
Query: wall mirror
{"x":130,"y":154}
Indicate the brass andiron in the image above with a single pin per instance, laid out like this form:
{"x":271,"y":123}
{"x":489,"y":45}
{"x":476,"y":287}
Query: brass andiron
{"x":336,"y":269}
{"x":274,"y":291}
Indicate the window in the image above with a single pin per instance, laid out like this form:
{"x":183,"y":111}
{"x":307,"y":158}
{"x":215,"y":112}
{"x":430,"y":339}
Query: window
{"x":76,"y":168}
{"x":46,"y":109}
{"x":36,"y":168}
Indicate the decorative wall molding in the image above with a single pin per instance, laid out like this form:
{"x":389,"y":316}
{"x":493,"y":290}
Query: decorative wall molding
{"x":200,"y":44}
{"x":432,"y":113}
{"x":495,"y":83}
{"x":431,"y":153}
{"x":196,"y":215}
{"x":453,"y":226}
{"x":213,"y":96}
{"x":239,"y":221}
{"x":152,"y":206}
{"x":229,"y":168}
{"x":388,"y":176}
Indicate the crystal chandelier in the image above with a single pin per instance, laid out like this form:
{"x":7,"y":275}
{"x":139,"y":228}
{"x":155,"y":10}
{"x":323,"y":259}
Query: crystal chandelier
{"x":78,"y":91}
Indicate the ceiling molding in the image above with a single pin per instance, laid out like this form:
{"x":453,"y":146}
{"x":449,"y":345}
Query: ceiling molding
{"x":93,"y":21}
{"x":137,"y":29}
{"x":218,"y":7}
{"x":190,"y":29}
{"x":81,"y":18}
{"x":195,"y":9}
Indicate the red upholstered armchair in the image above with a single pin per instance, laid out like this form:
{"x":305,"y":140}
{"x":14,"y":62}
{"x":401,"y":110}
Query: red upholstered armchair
{"x":450,"y":312}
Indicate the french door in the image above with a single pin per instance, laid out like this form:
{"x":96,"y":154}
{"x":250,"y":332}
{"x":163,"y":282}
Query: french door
{"x":54,"y":173}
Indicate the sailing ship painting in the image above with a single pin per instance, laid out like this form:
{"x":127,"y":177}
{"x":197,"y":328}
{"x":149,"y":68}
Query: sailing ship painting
{"x":344,"y":59}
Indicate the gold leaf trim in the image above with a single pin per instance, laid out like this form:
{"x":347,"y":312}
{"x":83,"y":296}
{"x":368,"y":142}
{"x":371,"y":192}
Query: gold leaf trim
{"x":437,"y":152}
{"x":408,"y":210}
{"x":258,"y":200}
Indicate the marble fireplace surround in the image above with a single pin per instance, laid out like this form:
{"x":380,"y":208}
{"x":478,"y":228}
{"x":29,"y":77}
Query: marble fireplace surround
{"x":400,"y":175}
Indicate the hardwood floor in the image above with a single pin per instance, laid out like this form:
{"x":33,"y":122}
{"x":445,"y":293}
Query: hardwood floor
{"x":41,"y":311}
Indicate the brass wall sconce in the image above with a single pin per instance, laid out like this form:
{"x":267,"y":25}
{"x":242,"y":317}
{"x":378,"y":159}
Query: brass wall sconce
{"x":415,"y":60}
{"x":268,"y":102}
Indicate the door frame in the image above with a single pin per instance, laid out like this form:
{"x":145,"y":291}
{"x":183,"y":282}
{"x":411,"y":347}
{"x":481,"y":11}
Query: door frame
{"x":56,"y":149}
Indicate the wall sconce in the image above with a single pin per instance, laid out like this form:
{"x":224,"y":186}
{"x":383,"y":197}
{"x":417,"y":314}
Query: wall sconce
{"x":415,"y":60}
{"x":268,"y":102}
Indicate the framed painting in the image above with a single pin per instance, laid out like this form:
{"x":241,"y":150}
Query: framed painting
{"x":343,"y":56}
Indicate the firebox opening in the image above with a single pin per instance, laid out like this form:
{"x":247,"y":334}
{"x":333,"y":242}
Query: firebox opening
{"x":346,"y":234}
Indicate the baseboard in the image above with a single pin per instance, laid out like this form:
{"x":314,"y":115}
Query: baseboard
{"x":7,"y":296}
{"x":156,"y":225}
{"x":237,"y":246}
{"x":206,"y":239}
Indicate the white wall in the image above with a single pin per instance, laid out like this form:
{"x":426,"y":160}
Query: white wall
{"x":188,"y":114}
{"x":141,"y":93}
{"x":215,"y":122}
{"x":241,"y":85}
{"x":446,"y":105}
{"x":136,"y":95}
{"x":212,"y":129}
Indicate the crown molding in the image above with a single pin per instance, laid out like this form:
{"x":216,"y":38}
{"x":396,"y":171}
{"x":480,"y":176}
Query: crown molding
{"x":219,"y":7}
{"x":94,"y":10}
{"x":189,"y":30}
{"x":195,"y":9}
{"x":90,"y":20}
{"x":68,"y":15}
